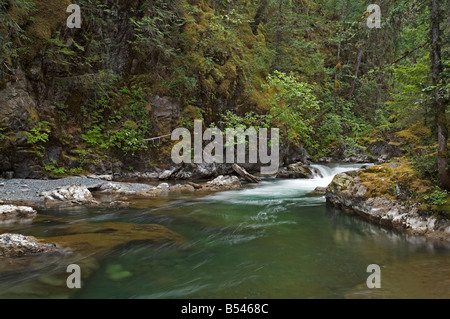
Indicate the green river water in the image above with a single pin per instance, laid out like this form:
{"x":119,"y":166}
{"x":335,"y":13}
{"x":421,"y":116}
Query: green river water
{"x":271,"y":240}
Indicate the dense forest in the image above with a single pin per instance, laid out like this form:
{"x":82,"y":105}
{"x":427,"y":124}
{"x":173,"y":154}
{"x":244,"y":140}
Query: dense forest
{"x":76,"y":99}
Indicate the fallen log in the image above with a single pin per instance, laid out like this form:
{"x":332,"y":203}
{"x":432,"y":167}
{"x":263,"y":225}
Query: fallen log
{"x":196,"y":186}
{"x":243,"y":173}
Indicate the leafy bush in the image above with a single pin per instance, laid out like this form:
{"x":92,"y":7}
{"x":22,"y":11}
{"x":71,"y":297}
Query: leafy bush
{"x":39,"y":133}
{"x":426,"y":165}
{"x":293,"y":106}
{"x":11,"y":33}
{"x":53,"y":170}
{"x":128,"y":139}
{"x":250,"y":119}
{"x":120,"y":122}
{"x":437,"y":196}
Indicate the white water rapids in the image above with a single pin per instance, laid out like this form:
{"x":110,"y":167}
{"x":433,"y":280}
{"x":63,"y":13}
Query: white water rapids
{"x":278,"y":191}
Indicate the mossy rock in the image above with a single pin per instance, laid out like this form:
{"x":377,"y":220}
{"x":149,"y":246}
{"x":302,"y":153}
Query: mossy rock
{"x":414,"y":134}
{"x":49,"y":16}
{"x":396,"y":180}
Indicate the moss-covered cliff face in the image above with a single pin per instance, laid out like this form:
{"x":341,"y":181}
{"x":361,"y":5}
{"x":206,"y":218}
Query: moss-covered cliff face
{"x":87,"y":99}
{"x":74,"y":100}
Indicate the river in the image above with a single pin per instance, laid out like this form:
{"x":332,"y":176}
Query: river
{"x":272,"y":240}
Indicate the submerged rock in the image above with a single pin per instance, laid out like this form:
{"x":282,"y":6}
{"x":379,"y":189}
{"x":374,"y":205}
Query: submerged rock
{"x":100,"y":238}
{"x":117,"y":273}
{"x":16,"y":245}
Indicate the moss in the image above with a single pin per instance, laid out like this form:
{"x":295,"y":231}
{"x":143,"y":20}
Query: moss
{"x":414,"y":134}
{"x":209,"y":83}
{"x":229,"y":71}
{"x":395,"y":180}
{"x":49,"y":16}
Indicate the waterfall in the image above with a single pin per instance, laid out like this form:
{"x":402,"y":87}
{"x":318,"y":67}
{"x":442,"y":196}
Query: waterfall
{"x":329,"y":171}
{"x":276,"y":191}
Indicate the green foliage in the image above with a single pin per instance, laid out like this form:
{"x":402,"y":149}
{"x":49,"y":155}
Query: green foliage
{"x":294,"y":106}
{"x":83,"y":154}
{"x":157,"y":32}
{"x":123,"y":129}
{"x":3,"y":136}
{"x":39,"y":134}
{"x":94,"y":137}
{"x":53,"y":170}
{"x":61,"y":53}
{"x":425,"y":164}
{"x":12,"y":34}
{"x":250,"y":119}
{"x":411,"y":101}
{"x":189,"y":115}
{"x":437,"y":196}
{"x":219,"y":55}
{"x":128,"y":139}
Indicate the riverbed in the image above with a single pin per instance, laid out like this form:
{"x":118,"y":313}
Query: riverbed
{"x":271,"y":240}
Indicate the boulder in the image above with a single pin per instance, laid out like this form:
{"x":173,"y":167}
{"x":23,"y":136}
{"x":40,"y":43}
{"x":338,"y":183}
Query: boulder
{"x":186,"y":188}
{"x":297,"y":170}
{"x":221,"y":183}
{"x":163,"y":186}
{"x":114,"y":188}
{"x":370,"y":193}
{"x":11,"y":211}
{"x":192,"y":171}
{"x":102,"y":177}
{"x":76,"y":194}
{"x":16,"y":245}
{"x":318,"y":191}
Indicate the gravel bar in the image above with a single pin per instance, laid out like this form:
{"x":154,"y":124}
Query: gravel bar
{"x":26,"y":191}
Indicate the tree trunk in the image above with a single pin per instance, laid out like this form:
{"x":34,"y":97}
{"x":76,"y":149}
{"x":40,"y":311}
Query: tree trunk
{"x":278,"y":32}
{"x":339,"y":53}
{"x":258,"y":16}
{"x":228,"y":13}
{"x":357,"y":65}
{"x":439,"y":105}
{"x":307,"y":22}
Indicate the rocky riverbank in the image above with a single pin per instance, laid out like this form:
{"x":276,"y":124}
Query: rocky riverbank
{"x":391,"y":195}
{"x":16,"y":245}
{"x":84,"y":190}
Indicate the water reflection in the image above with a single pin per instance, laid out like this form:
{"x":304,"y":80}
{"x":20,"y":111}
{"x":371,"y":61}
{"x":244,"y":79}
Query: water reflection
{"x":352,"y":229}
{"x":266,"y":241}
